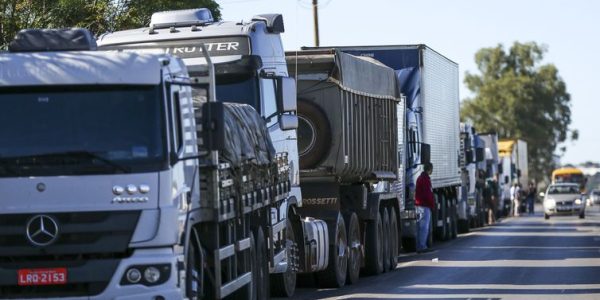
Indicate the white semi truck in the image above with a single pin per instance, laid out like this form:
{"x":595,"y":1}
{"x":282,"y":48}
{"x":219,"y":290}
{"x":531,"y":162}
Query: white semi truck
{"x":120,"y":181}
{"x":471,"y":206}
{"x":250,"y":68}
{"x":513,"y":168}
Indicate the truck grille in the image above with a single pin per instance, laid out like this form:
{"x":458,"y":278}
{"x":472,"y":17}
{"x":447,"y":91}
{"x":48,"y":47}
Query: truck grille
{"x":89,"y":244}
{"x":84,"y":233}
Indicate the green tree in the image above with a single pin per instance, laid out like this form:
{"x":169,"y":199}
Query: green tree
{"x":97,"y":15}
{"x":520,"y":98}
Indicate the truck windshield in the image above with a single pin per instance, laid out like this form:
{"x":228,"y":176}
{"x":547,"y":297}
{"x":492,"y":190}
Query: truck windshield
{"x":80,"y":130}
{"x":563,"y":189}
{"x":239,"y":89}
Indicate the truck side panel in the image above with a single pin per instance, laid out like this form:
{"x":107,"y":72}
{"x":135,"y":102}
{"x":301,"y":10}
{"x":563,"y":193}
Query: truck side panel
{"x":439,"y":87}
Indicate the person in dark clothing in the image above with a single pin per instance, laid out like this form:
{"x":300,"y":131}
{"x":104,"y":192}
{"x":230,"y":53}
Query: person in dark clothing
{"x":425,"y":204}
{"x":531,"y":197}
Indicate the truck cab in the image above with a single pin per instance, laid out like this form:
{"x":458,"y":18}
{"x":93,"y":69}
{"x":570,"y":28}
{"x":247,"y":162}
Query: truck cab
{"x":86,"y":150}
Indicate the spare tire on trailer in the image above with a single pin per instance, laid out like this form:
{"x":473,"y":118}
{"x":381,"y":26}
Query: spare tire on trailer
{"x":314,"y":134}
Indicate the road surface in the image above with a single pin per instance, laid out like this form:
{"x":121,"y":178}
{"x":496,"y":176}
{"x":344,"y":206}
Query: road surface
{"x":518,"y":258}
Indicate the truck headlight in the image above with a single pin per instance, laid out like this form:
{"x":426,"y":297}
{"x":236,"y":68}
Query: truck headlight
{"x":152,"y":275}
{"x":577,"y":201}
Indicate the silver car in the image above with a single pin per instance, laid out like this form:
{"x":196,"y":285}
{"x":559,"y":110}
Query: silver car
{"x":563,"y":199}
{"x":595,"y":196}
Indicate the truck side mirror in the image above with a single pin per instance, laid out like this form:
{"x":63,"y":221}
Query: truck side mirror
{"x":288,"y":122}
{"x":213,"y":125}
{"x":286,"y":95}
{"x":479,"y":154}
{"x":425,"y":153}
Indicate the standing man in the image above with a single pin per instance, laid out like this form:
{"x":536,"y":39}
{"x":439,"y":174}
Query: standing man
{"x":515,"y":191}
{"x":425,"y":203}
{"x":531,"y":197}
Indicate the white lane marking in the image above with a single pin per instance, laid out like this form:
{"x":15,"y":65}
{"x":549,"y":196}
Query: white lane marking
{"x":525,"y":233}
{"x":537,"y":248}
{"x":506,"y":286}
{"x":465,"y":296}
{"x":563,"y":263}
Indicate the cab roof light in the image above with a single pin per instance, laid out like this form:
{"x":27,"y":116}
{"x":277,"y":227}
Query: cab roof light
{"x":181,"y":18}
{"x":39,"y":40}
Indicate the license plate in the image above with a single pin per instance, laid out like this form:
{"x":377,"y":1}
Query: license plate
{"x":51,"y":276}
{"x":564,"y":208}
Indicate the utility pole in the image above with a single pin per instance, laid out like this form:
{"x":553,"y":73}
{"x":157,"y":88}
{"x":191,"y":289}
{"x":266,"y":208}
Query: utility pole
{"x":316,"y":21}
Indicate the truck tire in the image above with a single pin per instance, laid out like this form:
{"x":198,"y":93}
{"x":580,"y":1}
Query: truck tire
{"x":441,"y":232}
{"x":314,"y":134}
{"x":393,"y":239}
{"x":386,"y":239}
{"x":262,"y":276}
{"x":284,"y":284}
{"x":334,"y":276}
{"x":454,"y":221}
{"x":409,"y":244}
{"x":463,"y":226}
{"x":374,"y":246}
{"x":354,"y":248}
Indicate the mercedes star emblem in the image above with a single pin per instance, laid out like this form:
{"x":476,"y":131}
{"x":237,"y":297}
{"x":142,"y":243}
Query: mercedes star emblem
{"x":42,"y":230}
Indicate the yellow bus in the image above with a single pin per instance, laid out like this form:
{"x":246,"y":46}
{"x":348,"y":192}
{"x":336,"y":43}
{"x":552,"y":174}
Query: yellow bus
{"x":572,"y":175}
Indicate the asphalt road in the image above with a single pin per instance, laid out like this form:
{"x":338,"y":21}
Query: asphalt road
{"x":518,"y":258}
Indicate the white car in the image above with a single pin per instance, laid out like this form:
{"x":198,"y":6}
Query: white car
{"x":595,"y":196}
{"x":563,"y":199}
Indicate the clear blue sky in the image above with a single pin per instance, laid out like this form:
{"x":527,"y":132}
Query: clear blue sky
{"x":457,"y":29}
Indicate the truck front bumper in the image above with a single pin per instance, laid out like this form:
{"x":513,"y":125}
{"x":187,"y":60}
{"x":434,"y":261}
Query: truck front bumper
{"x":169,"y":287}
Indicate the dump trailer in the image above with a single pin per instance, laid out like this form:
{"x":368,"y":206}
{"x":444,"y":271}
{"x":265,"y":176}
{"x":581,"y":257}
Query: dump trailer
{"x":349,"y":118}
{"x":129,"y":185}
{"x":430,"y":83}
{"x":250,"y":68}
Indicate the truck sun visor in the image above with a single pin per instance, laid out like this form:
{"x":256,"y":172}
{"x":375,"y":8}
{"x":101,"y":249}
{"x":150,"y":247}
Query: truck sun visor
{"x":38,"y":40}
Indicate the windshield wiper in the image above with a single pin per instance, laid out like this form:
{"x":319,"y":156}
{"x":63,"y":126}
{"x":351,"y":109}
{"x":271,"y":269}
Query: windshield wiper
{"x":80,"y":154}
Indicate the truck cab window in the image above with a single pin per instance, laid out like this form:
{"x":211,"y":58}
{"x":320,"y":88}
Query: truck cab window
{"x":177,"y":127}
{"x":269,"y":103}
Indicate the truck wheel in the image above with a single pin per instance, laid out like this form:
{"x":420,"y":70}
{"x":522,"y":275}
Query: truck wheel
{"x":441,"y":232}
{"x":262,"y":274}
{"x":463,"y":226}
{"x":546,"y":216}
{"x":314,"y":134}
{"x":334,"y":276}
{"x":409,"y":244}
{"x":386,"y":239}
{"x":393,"y":239}
{"x":374,"y":246}
{"x":284,"y":284}
{"x":453,"y":221}
{"x":354,"y":248}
